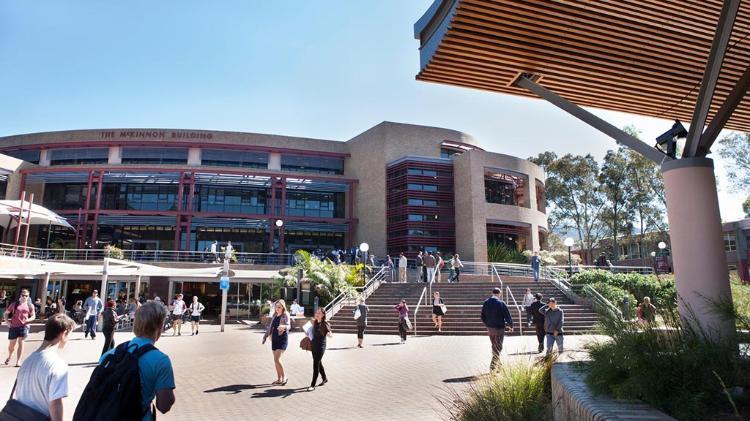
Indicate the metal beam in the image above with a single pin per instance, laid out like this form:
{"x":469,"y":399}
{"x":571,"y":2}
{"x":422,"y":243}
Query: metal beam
{"x":722,"y":116}
{"x":711,"y":75}
{"x":592,"y":120}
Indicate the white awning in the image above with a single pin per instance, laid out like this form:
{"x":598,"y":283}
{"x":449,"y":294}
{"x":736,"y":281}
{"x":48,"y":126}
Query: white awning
{"x":40,"y":215}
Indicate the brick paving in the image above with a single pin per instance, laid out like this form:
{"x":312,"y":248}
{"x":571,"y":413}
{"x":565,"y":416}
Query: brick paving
{"x":225,"y":376}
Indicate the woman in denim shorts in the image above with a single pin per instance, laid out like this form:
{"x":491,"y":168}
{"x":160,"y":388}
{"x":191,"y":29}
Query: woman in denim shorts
{"x":19,"y":314}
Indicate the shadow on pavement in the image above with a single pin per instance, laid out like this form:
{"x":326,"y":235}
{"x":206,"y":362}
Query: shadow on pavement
{"x":387,"y":344}
{"x":466,"y":379}
{"x":86,"y":365}
{"x":235,"y":388}
{"x":526,"y":353}
{"x":277,"y":393}
{"x":341,"y":348}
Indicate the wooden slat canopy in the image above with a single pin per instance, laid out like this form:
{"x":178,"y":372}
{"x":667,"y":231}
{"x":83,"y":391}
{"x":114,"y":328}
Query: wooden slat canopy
{"x":638,"y":56}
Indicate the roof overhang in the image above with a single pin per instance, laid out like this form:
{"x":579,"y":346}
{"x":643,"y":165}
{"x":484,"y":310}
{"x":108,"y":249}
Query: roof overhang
{"x":645,"y":57}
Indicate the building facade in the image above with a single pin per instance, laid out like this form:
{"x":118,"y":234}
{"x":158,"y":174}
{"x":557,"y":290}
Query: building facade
{"x":398,"y":187}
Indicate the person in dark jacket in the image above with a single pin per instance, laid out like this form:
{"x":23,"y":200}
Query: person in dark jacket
{"x":361,"y":320}
{"x":538,"y":319}
{"x":553,"y":324}
{"x":109,"y":320}
{"x":496,"y":316}
{"x":321,"y":329}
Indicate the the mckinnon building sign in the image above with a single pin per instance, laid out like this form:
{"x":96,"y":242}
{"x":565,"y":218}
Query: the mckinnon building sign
{"x":154,"y":134}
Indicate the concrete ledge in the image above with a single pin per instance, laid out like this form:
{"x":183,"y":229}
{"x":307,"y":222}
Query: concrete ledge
{"x":572,"y":400}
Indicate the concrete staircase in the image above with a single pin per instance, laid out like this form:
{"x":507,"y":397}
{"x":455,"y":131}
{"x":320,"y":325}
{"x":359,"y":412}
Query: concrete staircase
{"x":464,"y":302}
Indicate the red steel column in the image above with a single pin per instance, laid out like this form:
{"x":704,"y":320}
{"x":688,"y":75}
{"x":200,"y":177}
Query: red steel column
{"x":178,"y":225}
{"x":95,"y":226}
{"x":282,"y":212}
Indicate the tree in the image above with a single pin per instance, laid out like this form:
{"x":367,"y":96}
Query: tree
{"x":735,"y":148}
{"x":572,"y":190}
{"x":613,"y":182}
{"x":746,"y":207}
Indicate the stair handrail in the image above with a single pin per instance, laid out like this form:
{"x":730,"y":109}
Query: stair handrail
{"x":643,"y":270}
{"x":598,"y":300}
{"x":559,"y":279}
{"x":335,"y":305}
{"x":416,"y":310}
{"x":518,"y":307}
{"x":373,"y":284}
{"x":499,"y":279}
{"x":339,"y":301}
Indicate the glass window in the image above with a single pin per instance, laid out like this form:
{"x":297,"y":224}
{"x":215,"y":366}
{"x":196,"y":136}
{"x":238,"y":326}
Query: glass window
{"x":730,"y":242}
{"x":146,"y":155}
{"x":449,"y":153}
{"x":316,"y":164}
{"x":234,"y":158}
{"x":74,"y":156}
{"x":419,"y":171}
{"x":153,"y":197}
{"x":31,"y":155}
{"x":315,"y":204}
{"x":231,"y":200}
{"x":65,"y":196}
{"x":421,"y":187}
{"x":422,"y":202}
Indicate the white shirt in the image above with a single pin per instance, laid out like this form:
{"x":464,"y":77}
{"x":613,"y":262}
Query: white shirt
{"x":93,"y":310}
{"x":196,"y":308}
{"x":213,"y":247}
{"x":296,"y":308}
{"x":42,"y":378}
{"x":528,"y":299}
{"x":178,"y":307}
{"x":228,"y":251}
{"x":402,"y":262}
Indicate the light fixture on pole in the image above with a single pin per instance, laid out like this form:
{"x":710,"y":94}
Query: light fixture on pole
{"x":569,"y":243}
{"x":662,"y":245}
{"x":364,"y":248}
{"x":280,"y":225}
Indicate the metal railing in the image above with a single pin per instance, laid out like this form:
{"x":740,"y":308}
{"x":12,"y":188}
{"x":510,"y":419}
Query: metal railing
{"x":518,"y":307}
{"x":342,"y":299}
{"x":559,"y":278}
{"x":419,"y":302}
{"x":643,"y":270}
{"x":601,"y":303}
{"x":280,"y":259}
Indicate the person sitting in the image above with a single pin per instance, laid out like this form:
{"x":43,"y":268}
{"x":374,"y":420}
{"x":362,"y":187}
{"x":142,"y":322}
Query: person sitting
{"x":646,"y":312}
{"x":297,"y":310}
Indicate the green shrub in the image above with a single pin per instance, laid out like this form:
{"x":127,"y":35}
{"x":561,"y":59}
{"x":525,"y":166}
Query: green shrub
{"x":676,"y":369}
{"x":517,"y":391}
{"x":503,"y":254}
{"x":591,"y":277}
{"x":615,"y":295}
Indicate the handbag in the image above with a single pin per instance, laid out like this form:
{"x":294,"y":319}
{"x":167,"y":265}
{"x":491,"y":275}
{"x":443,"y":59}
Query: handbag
{"x":14,"y":410}
{"x":443,"y":308}
{"x":357,"y":314}
{"x":408,"y":323}
{"x":306,"y":343}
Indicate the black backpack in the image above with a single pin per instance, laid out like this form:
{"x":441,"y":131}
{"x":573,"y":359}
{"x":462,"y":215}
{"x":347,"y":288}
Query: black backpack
{"x":114,"y":389}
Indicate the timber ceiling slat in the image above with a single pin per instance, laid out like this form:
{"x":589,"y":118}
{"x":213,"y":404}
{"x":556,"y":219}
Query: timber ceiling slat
{"x":641,"y":56}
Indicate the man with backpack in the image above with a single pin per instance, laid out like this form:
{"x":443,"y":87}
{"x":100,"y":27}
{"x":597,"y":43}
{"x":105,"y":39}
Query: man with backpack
{"x":42,"y":380}
{"x":129,"y":377}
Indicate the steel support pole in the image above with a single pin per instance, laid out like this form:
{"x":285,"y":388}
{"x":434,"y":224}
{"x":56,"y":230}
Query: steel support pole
{"x":224,"y":296}
{"x":592,"y":120}
{"x":723,"y":114}
{"x":44,"y":292}
{"x":711,"y":75}
{"x":105,"y":277}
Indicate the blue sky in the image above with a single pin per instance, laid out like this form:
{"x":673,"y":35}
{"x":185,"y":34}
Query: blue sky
{"x":326,"y":69}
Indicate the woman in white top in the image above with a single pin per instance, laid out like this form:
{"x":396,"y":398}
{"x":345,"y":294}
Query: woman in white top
{"x":178,"y":309}
{"x":196,"y":309}
{"x":456,"y":265}
{"x":527,"y":300}
{"x":437,"y":311}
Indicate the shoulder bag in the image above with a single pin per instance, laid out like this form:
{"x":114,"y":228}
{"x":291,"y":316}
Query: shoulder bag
{"x":306,"y":343}
{"x":14,"y":410}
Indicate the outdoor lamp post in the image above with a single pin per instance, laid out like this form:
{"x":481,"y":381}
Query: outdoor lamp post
{"x":569,"y":243}
{"x":280,"y":225}
{"x":662,"y":245}
{"x":364,"y":248}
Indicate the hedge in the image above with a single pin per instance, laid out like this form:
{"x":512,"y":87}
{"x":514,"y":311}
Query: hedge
{"x":661,"y":292}
{"x":615,"y":295}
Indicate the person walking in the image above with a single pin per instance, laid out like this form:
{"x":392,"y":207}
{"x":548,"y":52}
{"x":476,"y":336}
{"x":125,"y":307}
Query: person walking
{"x":278,"y":330}
{"x":402,"y":266}
{"x":646,"y":312}
{"x":403,"y":319}
{"x":421,"y":270}
{"x":18,"y":315}
{"x":42,"y":381}
{"x":391,"y":272}
{"x":538,"y":320}
{"x":214,"y":251}
{"x":132,"y":307}
{"x":196,"y":308}
{"x":496,"y":317}
{"x":3,"y":301}
{"x":228,"y":252}
{"x":93,"y":307}
{"x":430,"y":263}
{"x":154,"y":367}
{"x":536,"y":263}
{"x":554,"y":318}
{"x":321,"y":330}
{"x":109,"y":320}
{"x":361,"y":320}
{"x":438,"y":311}
{"x":60,"y":305}
{"x":527,"y":300}
{"x":456,"y":264}
{"x":178,"y":310}
{"x":440,"y":264}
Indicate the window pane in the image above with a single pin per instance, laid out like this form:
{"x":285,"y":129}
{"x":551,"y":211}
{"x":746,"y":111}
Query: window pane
{"x":154,"y":155}
{"x":315,"y":164}
{"x":73,"y":156}
{"x":234,"y":158}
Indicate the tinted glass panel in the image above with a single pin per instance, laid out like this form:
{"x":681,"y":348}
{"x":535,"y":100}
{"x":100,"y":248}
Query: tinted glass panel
{"x":28,"y":156}
{"x":316,"y":204}
{"x":234,"y":158}
{"x":154,"y":155}
{"x":231,"y":200}
{"x":72,"y":156}
{"x":65,"y":196}
{"x":139,"y":196}
{"x":316,"y":164}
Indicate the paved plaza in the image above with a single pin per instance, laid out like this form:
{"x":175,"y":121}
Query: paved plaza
{"x":225,"y":376}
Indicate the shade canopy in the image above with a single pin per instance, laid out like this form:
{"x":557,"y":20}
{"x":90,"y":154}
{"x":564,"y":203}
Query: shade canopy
{"x":638,"y":56}
{"x":9,"y":210}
